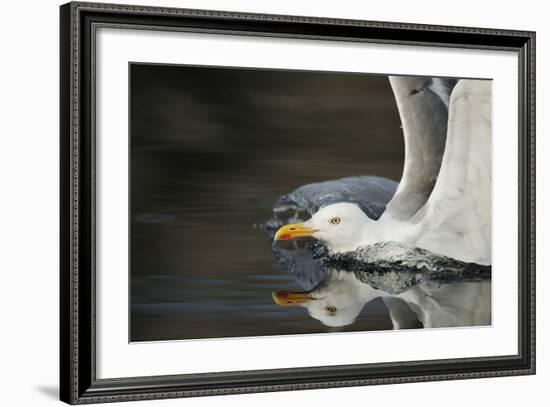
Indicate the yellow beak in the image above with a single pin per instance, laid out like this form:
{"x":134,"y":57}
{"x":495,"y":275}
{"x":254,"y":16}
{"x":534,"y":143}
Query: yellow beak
{"x":290,"y":298}
{"x":292,"y":231}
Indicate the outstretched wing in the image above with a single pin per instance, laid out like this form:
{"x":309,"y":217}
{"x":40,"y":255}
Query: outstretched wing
{"x":423,"y":109}
{"x":456,"y":220}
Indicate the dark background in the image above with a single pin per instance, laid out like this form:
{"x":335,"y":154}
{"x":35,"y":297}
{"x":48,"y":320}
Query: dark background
{"x":211,"y":151}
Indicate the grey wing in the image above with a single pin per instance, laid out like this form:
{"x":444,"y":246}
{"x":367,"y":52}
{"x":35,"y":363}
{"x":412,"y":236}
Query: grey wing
{"x":370,"y":193}
{"x":423,"y":105}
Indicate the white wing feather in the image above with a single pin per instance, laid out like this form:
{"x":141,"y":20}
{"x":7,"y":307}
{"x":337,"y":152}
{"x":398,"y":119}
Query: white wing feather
{"x":456,"y":220}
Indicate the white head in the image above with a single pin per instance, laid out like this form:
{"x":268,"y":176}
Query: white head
{"x":336,"y":303}
{"x":340,"y":226}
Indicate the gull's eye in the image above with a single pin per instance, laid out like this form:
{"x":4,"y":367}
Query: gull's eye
{"x":335,"y":220}
{"x":332,"y":309}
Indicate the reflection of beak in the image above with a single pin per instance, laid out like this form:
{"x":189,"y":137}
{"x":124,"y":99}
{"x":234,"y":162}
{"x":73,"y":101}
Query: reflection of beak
{"x":292,"y":231}
{"x":289,"y":298}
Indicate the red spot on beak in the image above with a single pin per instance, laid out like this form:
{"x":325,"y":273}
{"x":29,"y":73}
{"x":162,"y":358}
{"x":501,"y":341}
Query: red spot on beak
{"x":285,"y":236}
{"x":283,"y":294}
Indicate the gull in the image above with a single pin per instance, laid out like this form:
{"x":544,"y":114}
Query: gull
{"x":442,"y":204}
{"x":443,"y":201}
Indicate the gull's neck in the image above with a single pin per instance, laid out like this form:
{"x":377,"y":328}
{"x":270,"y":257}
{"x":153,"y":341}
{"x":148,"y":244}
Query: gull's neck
{"x":387,"y":230}
{"x":371,"y":232}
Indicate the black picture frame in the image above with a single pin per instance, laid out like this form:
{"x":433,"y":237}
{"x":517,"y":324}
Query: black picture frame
{"x":78,"y":382}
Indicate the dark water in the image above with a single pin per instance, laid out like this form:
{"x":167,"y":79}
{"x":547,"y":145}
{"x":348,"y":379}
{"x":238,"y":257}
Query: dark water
{"x":211,"y":151}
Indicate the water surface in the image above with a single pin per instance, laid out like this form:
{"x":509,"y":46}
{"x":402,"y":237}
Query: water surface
{"x":211,"y":152}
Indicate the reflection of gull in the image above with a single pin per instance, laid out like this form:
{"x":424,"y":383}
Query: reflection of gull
{"x":415,"y":284}
{"x":335,"y":302}
{"x":340,"y":298}
{"x":454,"y":219}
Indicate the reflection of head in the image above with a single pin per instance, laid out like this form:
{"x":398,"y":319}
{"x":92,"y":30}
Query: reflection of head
{"x":336,"y":302}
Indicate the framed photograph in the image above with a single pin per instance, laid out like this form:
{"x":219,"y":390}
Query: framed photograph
{"x":255,"y":203}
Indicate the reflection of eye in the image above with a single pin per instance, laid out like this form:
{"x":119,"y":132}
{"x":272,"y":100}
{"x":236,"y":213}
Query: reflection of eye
{"x":331,"y":309}
{"x":335,"y":221}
